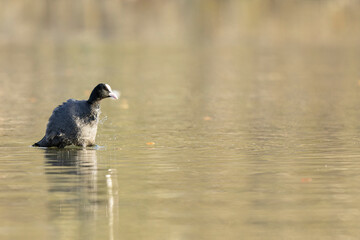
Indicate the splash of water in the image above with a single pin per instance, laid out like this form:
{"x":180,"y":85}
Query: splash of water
{"x":102,"y":120}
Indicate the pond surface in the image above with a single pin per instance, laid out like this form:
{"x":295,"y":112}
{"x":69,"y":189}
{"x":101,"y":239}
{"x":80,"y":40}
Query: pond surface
{"x":256,"y":140}
{"x":202,"y":145}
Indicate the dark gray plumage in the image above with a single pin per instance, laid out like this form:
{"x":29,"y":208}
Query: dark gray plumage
{"x":75,"y":122}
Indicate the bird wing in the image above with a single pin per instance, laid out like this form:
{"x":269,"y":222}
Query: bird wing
{"x":62,"y":125}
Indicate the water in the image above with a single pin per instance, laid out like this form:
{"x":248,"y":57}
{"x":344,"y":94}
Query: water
{"x":255,"y":135}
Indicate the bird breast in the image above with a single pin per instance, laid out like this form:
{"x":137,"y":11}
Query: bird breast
{"x":87,"y":129}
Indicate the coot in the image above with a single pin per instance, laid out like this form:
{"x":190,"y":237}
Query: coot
{"x":75,"y":122}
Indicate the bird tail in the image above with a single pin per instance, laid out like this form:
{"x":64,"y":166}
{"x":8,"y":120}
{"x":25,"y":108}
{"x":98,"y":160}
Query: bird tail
{"x":41,"y":143}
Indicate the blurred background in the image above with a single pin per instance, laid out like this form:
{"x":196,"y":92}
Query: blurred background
{"x":237,"y":119}
{"x":58,"y":46}
{"x":179,"y":23}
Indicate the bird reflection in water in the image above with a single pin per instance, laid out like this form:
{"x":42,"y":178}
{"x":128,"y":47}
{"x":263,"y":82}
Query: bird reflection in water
{"x":80,"y":193}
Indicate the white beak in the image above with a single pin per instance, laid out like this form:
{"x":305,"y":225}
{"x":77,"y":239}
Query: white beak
{"x":114,"y":94}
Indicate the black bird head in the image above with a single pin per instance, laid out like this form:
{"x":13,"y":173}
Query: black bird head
{"x":100,"y":92}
